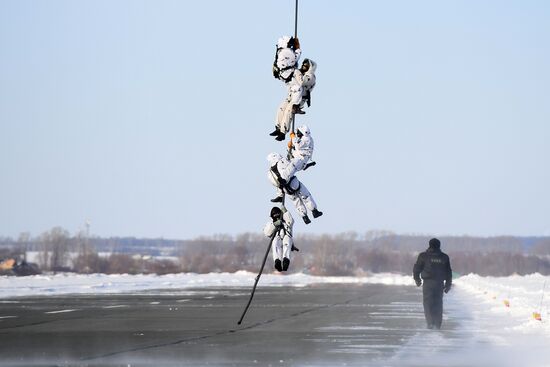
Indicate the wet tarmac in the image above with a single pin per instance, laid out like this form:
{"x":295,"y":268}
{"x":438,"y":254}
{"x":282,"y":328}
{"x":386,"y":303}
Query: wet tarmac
{"x":317,"y":325}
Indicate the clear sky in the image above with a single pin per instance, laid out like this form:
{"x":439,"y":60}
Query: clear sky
{"x":151,"y":118}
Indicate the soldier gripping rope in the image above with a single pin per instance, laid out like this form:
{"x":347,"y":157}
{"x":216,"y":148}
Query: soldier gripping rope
{"x":433,"y":271}
{"x":291,"y":186}
{"x":281,"y":224}
{"x":285,"y":68}
{"x":299,"y":87}
{"x":300,"y":152}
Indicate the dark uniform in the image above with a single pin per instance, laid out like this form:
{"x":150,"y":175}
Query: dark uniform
{"x":434,"y":267}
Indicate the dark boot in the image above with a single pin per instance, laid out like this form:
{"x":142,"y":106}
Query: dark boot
{"x":306,"y":219}
{"x":310,"y":164}
{"x":316,"y":213}
{"x":275,"y":132}
{"x":278,"y":199}
{"x":278,"y":265}
{"x":286,"y":263}
{"x":296,"y":110}
{"x":280,"y":137}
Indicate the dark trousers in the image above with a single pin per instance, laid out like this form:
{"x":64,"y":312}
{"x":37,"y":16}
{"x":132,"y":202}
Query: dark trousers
{"x":432,"y":292}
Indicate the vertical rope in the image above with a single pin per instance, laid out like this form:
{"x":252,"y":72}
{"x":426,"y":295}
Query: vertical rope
{"x":295,"y":36}
{"x":282,"y":204}
{"x":296,"y":21}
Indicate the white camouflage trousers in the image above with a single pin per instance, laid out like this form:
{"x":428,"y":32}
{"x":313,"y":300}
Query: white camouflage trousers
{"x":284,"y":113}
{"x":281,"y":247}
{"x":301,"y":198}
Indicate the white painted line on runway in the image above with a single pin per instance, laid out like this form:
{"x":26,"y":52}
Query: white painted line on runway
{"x":397,"y":316}
{"x":183,"y":300}
{"x":115,"y":306}
{"x":61,"y":311}
{"x":8,"y":317}
{"x":154,"y":303}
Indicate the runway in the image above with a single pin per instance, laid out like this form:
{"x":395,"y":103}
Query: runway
{"x":317,"y":325}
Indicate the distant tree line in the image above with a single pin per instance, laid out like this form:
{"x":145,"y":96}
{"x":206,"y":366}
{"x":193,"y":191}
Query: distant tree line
{"x":344,"y":254}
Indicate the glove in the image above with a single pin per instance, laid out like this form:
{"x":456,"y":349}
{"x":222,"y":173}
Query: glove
{"x":296,"y":43}
{"x":292,"y":135}
{"x":275,"y":70}
{"x":278,"y":223}
{"x":447,"y":288}
{"x":418,"y":282}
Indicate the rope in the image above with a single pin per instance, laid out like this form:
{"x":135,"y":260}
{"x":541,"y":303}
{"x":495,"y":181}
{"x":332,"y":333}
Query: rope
{"x":289,"y":152}
{"x":282,"y":204}
{"x":260,"y":273}
{"x":296,"y":21}
{"x":295,"y":36}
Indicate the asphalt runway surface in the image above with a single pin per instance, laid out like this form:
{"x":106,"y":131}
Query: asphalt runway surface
{"x":317,"y":325}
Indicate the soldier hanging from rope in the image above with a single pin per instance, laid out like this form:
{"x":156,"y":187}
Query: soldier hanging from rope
{"x":281,"y":222}
{"x":299,"y":81}
{"x":291,"y":186}
{"x":300,"y":151}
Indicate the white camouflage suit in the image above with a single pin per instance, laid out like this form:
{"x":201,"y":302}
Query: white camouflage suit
{"x":299,"y":87}
{"x":282,"y":242}
{"x":286,"y":60}
{"x":302,"y":151}
{"x":297,"y":191}
{"x":308,"y":81}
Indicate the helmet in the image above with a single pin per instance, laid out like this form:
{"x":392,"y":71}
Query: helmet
{"x":273,"y":158}
{"x":304,"y":130}
{"x":283,"y":42}
{"x":306,"y":64}
{"x":276,"y":213}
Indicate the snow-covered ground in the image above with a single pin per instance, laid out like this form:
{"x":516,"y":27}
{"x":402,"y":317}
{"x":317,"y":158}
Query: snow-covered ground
{"x":501,"y":313}
{"x":496,"y":326}
{"x":51,"y":285}
{"x":495,"y":319}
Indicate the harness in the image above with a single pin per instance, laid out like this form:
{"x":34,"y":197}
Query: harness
{"x":277,"y":71}
{"x":284,"y":230}
{"x":283,"y":184}
{"x":285,"y":233}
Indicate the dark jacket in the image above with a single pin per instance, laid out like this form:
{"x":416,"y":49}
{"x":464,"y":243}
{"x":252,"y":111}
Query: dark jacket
{"x":434,"y":265}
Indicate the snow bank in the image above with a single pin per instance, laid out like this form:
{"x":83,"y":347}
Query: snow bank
{"x":51,"y":285}
{"x":479,"y":330}
{"x":512,"y":299}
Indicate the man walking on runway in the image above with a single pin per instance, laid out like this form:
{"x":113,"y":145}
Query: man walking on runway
{"x":434,"y":268}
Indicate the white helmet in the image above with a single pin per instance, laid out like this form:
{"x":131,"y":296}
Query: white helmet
{"x":283,"y":42}
{"x":273,"y":158}
{"x":304,"y":129}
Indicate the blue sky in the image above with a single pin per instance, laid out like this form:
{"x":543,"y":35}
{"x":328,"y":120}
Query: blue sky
{"x":150,"y":118}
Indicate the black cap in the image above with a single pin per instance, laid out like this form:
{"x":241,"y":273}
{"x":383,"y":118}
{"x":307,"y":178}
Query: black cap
{"x":435,"y":243}
{"x":276,"y":212}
